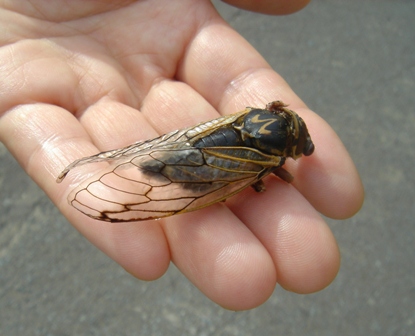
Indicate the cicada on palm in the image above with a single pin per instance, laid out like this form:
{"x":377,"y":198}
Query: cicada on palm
{"x":189,"y":169}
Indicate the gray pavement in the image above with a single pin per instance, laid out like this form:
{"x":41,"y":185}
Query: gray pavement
{"x":353,"y":62}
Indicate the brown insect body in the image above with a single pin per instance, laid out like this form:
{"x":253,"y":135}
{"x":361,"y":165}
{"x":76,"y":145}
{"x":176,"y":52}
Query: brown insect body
{"x":189,"y":169}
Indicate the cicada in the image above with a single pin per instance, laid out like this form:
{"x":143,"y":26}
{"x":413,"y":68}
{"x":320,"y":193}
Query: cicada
{"x":192,"y":168}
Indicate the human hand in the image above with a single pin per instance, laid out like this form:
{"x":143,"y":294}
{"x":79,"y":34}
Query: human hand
{"x":72,"y":82}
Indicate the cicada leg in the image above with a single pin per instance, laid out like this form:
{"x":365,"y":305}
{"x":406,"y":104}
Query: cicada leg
{"x":259,"y":186}
{"x":283,"y":174}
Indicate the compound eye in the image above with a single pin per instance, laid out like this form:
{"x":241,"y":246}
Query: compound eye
{"x":308,"y":148}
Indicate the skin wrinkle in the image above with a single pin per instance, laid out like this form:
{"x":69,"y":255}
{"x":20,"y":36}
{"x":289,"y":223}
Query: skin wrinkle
{"x":47,"y":144}
{"x":285,"y":233}
{"x":29,"y":68}
{"x":49,"y":13}
{"x":230,"y":254}
{"x":229,"y":266}
{"x":155,"y":70}
{"x":241,"y":82}
{"x":296,"y":244}
{"x":245,"y":84}
{"x":230,"y":259}
{"x":178,"y":107}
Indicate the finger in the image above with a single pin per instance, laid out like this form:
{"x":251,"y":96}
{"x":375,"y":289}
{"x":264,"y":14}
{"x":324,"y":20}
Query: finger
{"x":172,"y":105}
{"x":111,"y":125}
{"x":303,"y":249}
{"x":272,"y":7}
{"x":328,"y":178}
{"x":221,"y":257}
{"x":242,"y":78}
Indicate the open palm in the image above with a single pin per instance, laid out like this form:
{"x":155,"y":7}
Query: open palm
{"x":98,"y":76}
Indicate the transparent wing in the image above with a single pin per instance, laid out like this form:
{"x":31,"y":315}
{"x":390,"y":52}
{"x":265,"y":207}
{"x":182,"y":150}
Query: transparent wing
{"x":175,"y":139}
{"x":167,"y":175}
{"x":165,"y":182}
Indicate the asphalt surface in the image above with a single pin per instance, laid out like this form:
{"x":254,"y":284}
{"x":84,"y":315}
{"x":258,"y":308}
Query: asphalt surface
{"x":353,"y":62}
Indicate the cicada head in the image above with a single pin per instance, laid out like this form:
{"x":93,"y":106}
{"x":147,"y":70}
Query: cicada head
{"x":301,"y":140}
{"x":276,"y":130}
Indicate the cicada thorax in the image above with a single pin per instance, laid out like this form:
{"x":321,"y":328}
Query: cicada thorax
{"x":266,"y":131}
